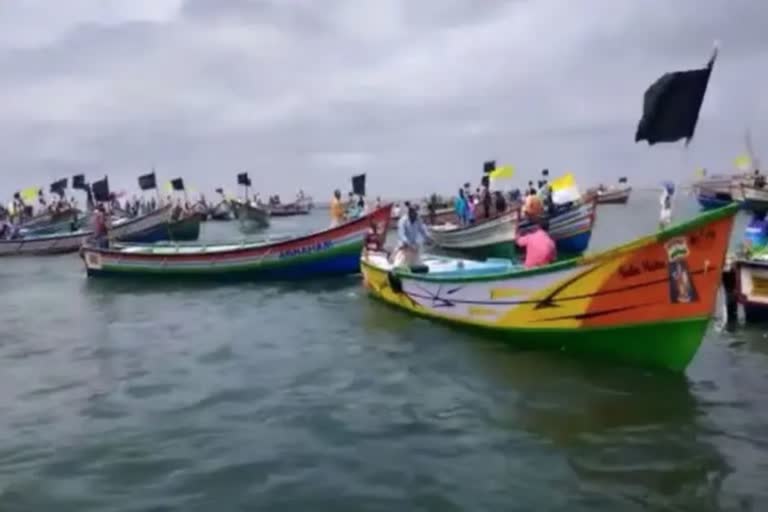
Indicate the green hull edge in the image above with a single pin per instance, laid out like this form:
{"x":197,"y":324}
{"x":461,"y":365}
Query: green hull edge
{"x":668,"y":345}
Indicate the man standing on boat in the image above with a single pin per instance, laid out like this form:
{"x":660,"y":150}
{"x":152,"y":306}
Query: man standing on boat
{"x":100,"y":227}
{"x":411,"y":235}
{"x":665,"y":218}
{"x":337,"y":209}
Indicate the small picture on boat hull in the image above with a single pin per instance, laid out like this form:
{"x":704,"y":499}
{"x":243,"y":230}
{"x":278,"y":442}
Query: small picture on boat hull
{"x":681,"y":288}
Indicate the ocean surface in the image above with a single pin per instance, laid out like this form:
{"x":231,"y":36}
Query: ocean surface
{"x":312,"y":397}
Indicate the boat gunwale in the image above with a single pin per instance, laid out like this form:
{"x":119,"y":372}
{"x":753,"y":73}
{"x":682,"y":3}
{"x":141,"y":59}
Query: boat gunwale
{"x":632,"y":245}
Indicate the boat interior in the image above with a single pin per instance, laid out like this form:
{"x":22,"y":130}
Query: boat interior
{"x":441,"y":266}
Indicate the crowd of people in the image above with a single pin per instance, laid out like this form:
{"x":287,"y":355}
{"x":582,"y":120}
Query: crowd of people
{"x":468,"y":207}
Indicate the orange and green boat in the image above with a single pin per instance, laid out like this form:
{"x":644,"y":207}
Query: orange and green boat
{"x":647,"y":302}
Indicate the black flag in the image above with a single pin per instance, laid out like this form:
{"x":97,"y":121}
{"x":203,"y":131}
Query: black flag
{"x":148,"y":181}
{"x":243,"y":179}
{"x":100,"y":189}
{"x":623,"y":179}
{"x":219,"y":190}
{"x":177,"y":184}
{"x":358,"y":185}
{"x":489,"y":166}
{"x":545,"y":172}
{"x":78,"y":182}
{"x":59,"y":186}
{"x":671,"y":105}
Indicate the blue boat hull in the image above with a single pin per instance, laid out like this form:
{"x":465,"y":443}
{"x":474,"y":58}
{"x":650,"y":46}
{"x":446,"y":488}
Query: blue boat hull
{"x":574,"y":245}
{"x":711,"y":203}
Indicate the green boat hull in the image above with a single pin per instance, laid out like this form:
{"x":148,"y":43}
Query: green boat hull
{"x":669,"y":345}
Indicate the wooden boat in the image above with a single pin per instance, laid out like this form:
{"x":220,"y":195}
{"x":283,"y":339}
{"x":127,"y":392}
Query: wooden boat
{"x":252,"y":218}
{"x":753,"y":198}
{"x":71,"y":242}
{"x":334,"y":251}
{"x":47,"y":223}
{"x":570,"y":227}
{"x":186,"y":229}
{"x":710,"y":199}
{"x":613,"y":195}
{"x":647,"y":302}
{"x":287,"y":210}
{"x":221,"y":211}
{"x":751,"y":286}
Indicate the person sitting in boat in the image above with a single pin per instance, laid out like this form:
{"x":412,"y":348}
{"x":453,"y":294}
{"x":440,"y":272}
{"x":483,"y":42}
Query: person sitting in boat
{"x":756,"y":232}
{"x":411,"y":235}
{"x":532,"y":207}
{"x":539,"y":247}
{"x":499,"y":202}
{"x":373,"y":241}
{"x":337,"y":209}
{"x":759,"y":179}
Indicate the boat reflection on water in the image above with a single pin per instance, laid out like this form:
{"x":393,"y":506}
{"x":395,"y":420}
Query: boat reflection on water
{"x":629,"y":435}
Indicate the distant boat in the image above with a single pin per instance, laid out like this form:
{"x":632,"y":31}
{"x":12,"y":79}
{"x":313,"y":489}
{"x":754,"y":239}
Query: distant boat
{"x":62,"y":243}
{"x":613,"y":195}
{"x":331,"y":252}
{"x":252,"y":218}
{"x":221,"y":211}
{"x":287,"y":210}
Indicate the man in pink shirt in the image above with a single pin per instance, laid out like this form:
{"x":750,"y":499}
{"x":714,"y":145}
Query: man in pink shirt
{"x":539,"y":247}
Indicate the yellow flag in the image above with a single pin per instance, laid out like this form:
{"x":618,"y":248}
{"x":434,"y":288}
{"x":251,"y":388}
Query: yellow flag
{"x":30,"y":194}
{"x":563,"y":182}
{"x":505,"y":171}
{"x":743,"y":163}
{"x":169,"y":187}
{"x":701,"y":172}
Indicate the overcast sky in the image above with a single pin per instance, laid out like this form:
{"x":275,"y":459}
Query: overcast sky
{"x":417,"y":93}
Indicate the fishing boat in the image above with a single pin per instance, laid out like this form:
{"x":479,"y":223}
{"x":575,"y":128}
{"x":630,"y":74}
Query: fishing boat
{"x":48,"y":222}
{"x":751,"y":286}
{"x":61,"y":243}
{"x":287,"y":210}
{"x":570,"y":228}
{"x":185,"y":229}
{"x":613,"y":195}
{"x":331,"y":252}
{"x":647,"y":302}
{"x":252,"y":218}
{"x":221,"y":211}
{"x":711,"y":199}
{"x":753,"y":198}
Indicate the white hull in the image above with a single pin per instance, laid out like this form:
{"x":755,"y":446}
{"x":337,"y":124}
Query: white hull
{"x":495,"y":231}
{"x":754,"y":196}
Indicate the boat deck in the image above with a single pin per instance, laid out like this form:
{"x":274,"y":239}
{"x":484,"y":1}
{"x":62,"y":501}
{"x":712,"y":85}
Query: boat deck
{"x":451,"y":267}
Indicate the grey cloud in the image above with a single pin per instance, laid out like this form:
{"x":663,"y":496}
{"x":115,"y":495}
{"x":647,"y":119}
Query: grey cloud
{"x":417,"y":94}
